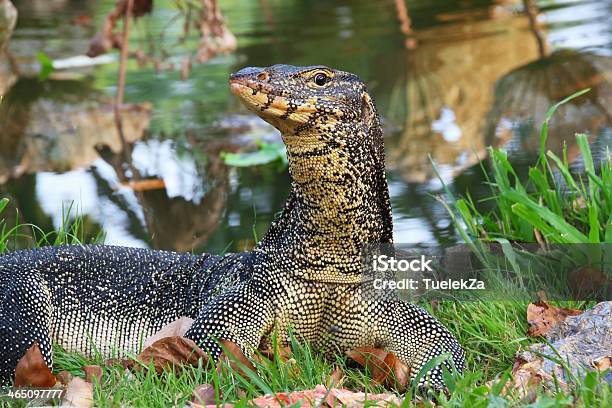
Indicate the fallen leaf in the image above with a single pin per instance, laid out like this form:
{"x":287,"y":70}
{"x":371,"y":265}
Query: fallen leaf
{"x":284,"y":353}
{"x":385,"y":367}
{"x":204,"y":394}
{"x":64,"y":377}
{"x":321,"y":395}
{"x":348,"y":398}
{"x":306,"y":398}
{"x":145,"y":185}
{"x":586,"y":282}
{"x":32,"y":370}
{"x":235,"y":358}
{"x":400,"y":372}
{"x":79,"y":393}
{"x":371,"y":358}
{"x":125,"y":363}
{"x":92,"y":372}
{"x":170,"y":353}
{"x":541,"y":317}
{"x":177,"y":328}
{"x":336,"y":378}
{"x":526,"y":375}
{"x":603,"y":363}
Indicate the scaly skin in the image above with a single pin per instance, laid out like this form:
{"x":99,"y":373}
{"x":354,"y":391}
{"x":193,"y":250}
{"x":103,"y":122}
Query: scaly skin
{"x":305,"y":275}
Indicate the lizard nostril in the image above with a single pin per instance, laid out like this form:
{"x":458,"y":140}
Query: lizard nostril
{"x":263,"y":76}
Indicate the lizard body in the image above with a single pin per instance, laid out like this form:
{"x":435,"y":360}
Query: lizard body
{"x":305,"y":274}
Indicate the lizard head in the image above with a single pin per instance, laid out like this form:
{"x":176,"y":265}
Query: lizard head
{"x":334,"y":146}
{"x":303,"y":100}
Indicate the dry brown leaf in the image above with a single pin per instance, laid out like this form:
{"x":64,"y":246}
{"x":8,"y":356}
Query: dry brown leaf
{"x":348,"y":398}
{"x":372,"y":358}
{"x":333,"y":397}
{"x":603,"y":363}
{"x":284,"y":353}
{"x":106,"y":38}
{"x":32,"y":370}
{"x":64,"y":377}
{"x":79,"y":393}
{"x":542,"y":317}
{"x":125,"y":363}
{"x":170,"y":353}
{"x":400,"y":372}
{"x":204,"y":394}
{"x":235,"y":358}
{"x":526,"y":376}
{"x":336,"y":378}
{"x":307,"y":398}
{"x":145,"y":185}
{"x":177,"y":328}
{"x":385,"y":367}
{"x":92,"y":372}
{"x":587,"y":281}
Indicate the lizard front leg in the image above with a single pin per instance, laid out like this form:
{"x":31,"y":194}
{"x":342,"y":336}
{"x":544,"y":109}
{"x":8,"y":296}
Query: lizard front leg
{"x":416,"y":337}
{"x":242,"y":315}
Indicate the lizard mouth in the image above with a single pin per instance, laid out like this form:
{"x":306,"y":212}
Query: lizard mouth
{"x":240,"y":85}
{"x":261,"y":98}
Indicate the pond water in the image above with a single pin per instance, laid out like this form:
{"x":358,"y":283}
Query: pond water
{"x":449,"y":79}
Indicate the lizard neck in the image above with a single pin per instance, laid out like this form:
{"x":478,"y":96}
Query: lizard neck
{"x":339,"y":200}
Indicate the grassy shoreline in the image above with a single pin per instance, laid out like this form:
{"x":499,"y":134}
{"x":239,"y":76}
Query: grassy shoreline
{"x":491,"y":333}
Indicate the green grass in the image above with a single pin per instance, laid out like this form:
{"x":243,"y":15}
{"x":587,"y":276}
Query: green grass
{"x":72,"y":231}
{"x":491,"y":333}
{"x":551,"y":206}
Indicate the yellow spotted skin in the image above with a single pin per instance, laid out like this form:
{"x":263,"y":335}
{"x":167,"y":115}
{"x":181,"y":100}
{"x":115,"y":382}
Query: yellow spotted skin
{"x":304,"y":276}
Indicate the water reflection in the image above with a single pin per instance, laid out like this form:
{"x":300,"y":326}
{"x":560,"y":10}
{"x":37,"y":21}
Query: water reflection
{"x":182,"y":215}
{"x":54,"y":126}
{"x":440,"y":92}
{"x":524,"y":95}
{"x":450,"y":77}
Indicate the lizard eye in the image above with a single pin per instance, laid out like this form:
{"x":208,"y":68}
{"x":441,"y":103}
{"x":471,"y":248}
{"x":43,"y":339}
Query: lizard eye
{"x":320,"y":79}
